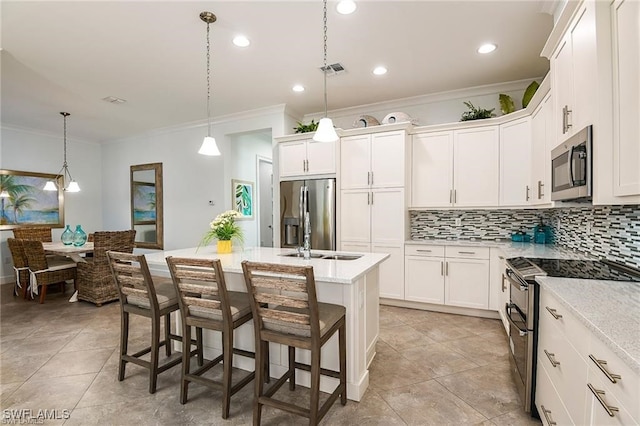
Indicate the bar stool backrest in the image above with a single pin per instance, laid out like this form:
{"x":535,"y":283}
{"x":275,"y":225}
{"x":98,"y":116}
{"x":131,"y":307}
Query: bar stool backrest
{"x":133,"y":279}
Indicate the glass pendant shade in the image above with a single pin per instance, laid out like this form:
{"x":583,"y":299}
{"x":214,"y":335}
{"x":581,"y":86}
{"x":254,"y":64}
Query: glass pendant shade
{"x":50,"y":186}
{"x":73,"y":187}
{"x":4,"y":194}
{"x":325,"y":132}
{"x":209,"y":147}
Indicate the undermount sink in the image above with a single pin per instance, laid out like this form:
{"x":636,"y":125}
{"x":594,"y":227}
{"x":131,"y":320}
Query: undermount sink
{"x":296,"y":254}
{"x":342,"y":256}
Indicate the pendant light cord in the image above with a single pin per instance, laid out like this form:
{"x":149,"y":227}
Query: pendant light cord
{"x":65,"y":167}
{"x":324,"y":69}
{"x":208,"y":83}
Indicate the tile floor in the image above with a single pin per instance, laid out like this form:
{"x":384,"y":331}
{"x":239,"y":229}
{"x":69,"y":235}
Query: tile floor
{"x":430,"y":369}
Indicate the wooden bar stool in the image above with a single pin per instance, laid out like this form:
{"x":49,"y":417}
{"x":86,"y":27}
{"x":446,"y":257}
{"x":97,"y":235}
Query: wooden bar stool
{"x":150,"y":297}
{"x":206,"y":303}
{"x":286,"y":311}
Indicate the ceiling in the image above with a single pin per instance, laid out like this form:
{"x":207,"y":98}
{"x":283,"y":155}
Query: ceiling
{"x":67,"y":56}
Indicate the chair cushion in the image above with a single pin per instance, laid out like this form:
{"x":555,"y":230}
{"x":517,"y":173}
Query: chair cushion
{"x":239,"y":307}
{"x":329,"y":314}
{"x":165,"y":292}
{"x":58,"y":263}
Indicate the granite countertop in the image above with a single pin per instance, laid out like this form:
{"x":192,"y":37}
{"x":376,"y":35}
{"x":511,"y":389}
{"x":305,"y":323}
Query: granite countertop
{"x":610,"y":309}
{"x":510,"y":248}
{"x":327,"y":270}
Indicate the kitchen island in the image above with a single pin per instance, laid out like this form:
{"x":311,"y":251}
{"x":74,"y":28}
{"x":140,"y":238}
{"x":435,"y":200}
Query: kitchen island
{"x":352,"y":283}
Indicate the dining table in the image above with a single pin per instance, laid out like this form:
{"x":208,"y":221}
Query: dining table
{"x":71,"y":251}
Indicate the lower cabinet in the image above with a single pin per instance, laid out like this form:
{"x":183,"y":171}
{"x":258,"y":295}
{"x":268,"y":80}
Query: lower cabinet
{"x":455,"y":276}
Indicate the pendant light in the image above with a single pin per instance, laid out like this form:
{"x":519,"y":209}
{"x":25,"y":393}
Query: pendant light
{"x":325,"y":131}
{"x":209,"y":146}
{"x":64,"y":171}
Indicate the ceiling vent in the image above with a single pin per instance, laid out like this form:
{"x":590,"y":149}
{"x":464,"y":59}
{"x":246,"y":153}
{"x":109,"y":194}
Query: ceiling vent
{"x":114,"y":100}
{"x":333,"y":69}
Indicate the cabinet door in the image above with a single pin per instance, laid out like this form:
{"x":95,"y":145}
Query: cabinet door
{"x":467,"y":283}
{"x":476,"y":165}
{"x":585,"y":65}
{"x":355,"y":162}
{"x":391,"y":271}
{"x":355,"y":216}
{"x":432,"y":169}
{"x":626,"y":97}
{"x":424,"y":279}
{"x":356,"y":247}
{"x":515,"y":163}
{"x":562,"y":88}
{"x":387,"y":159}
{"x":387,"y":216}
{"x":321,"y":157}
{"x":541,"y":130}
{"x":292,"y":158}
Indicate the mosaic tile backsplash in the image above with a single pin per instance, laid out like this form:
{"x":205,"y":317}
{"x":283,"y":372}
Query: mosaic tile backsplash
{"x":611,"y":232}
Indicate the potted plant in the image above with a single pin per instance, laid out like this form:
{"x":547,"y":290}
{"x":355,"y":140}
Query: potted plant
{"x":224,"y":229}
{"x":304,"y":128}
{"x":476,"y":113}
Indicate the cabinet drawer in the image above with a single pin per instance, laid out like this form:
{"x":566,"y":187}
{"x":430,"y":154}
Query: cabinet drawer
{"x":549,"y":405}
{"x":468,"y":252}
{"x":565,"y":367}
{"x":423,"y":250}
{"x":627,"y":387}
{"x":551,"y":311}
{"x":597,"y":414}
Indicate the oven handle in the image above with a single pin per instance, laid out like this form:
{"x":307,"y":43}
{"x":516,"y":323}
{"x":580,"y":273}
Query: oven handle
{"x":507,"y":311}
{"x":515,"y":280}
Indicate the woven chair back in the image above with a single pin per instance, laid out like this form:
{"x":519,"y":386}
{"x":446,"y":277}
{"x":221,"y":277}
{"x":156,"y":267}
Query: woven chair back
{"x":120,"y":241}
{"x":283,"y":297}
{"x":17,"y":253}
{"x":33,"y":233}
{"x":36,"y":258}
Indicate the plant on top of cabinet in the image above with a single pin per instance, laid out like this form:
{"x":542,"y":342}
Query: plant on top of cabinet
{"x":476,"y":113}
{"x":529,"y":92}
{"x":304,"y":128}
{"x":506,"y":104}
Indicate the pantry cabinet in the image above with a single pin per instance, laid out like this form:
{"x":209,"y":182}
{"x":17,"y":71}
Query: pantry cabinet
{"x":306,"y":157}
{"x":515,"y":163}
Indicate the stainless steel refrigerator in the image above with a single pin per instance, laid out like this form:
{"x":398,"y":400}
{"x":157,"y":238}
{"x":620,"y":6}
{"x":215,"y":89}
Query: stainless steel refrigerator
{"x":316,"y":196}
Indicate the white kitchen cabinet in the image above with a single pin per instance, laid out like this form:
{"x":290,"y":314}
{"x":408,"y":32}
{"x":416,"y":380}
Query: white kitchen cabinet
{"x":458,"y":168}
{"x":542,"y":141}
{"x":626,"y":97}
{"x":573,"y":68}
{"x":373,"y":160}
{"x":476,"y":167}
{"x":306,"y":157}
{"x":515,"y":163}
{"x":355,"y":216}
{"x":391,"y":282}
{"x":499,"y":288}
{"x":467,"y":283}
{"x":424,"y":274}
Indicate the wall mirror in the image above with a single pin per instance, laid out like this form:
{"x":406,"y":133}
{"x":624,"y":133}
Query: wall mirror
{"x":146,"y":205}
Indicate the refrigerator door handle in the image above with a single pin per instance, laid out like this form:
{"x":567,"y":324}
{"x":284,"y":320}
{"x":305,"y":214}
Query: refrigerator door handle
{"x":301,"y":204}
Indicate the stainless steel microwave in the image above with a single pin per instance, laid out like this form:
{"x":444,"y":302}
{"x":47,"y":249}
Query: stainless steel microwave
{"x":571,"y":168}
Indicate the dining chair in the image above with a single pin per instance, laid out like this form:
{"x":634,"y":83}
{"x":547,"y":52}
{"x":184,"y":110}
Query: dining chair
{"x":206,"y":303}
{"x":95,"y":281}
{"x":149,"y":296}
{"x":286,"y":311}
{"x":20,"y":267}
{"x":44,"y":271}
{"x":35,"y":233}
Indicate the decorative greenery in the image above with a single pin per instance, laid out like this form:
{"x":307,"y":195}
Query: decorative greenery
{"x":506,"y":104}
{"x":476,"y":113}
{"x":224,"y":228}
{"x":304,"y":128}
{"x":529,"y":92}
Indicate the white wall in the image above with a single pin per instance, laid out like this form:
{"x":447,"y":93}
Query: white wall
{"x":26,"y":150}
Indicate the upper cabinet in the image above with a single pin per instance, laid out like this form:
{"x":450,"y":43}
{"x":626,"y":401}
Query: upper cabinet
{"x":542,"y":141}
{"x":573,"y":65}
{"x":432,"y":169}
{"x":626,"y":97}
{"x":515,"y":163}
{"x":305,"y":157}
{"x":373,"y":160}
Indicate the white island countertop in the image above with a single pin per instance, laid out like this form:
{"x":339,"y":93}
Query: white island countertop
{"x":327,"y":270}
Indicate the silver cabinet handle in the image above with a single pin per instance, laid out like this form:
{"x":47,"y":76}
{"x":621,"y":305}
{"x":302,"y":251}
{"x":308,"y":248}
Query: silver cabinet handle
{"x":527,"y":193}
{"x":368,"y":178}
{"x":564,"y":119}
{"x":424,"y":250}
{"x":455,"y":196}
{"x":368,"y":198}
{"x":599,"y":394}
{"x":372,"y":198}
{"x":504,"y":287}
{"x":307,"y":165}
{"x":569,"y":125}
{"x":451,"y":196}
{"x":467,"y":252}
{"x":371,"y":178}
{"x":553,"y":312}
{"x":540,"y":194}
{"x":552,"y":358}
{"x":601,"y":365}
{"x":446,"y":268}
{"x":547,"y":415}
{"x":442,"y":268}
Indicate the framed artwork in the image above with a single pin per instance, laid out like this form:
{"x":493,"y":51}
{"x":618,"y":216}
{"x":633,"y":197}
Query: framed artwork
{"x":23,"y":202}
{"x":144,"y":203}
{"x":242,"y":194}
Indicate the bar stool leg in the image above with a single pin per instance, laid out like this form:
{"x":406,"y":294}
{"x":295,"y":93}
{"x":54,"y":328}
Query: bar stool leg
{"x":227,"y":360}
{"x":259,"y":383}
{"x":155,"y":349}
{"x":292,"y":368}
{"x":315,"y":386}
{"x":167,"y":331}
{"x":124,"y":341}
{"x":186,"y":362}
{"x":200,"y":352}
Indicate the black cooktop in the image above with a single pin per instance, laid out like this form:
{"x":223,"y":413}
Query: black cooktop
{"x":572,"y":268}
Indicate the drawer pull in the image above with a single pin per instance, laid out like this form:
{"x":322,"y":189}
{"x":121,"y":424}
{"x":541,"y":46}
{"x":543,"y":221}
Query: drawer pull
{"x":552,"y":359}
{"x":467,"y":252}
{"x":423,"y":250}
{"x":601,"y":365}
{"x":553,"y":312}
{"x":599,"y":396}
{"x":547,"y":415}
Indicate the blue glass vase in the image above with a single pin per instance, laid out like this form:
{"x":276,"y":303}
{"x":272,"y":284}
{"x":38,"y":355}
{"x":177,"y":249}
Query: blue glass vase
{"x":67,"y":236}
{"x":79,"y":237}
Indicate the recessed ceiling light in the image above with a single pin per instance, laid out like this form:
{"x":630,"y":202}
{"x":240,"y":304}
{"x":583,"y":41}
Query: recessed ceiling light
{"x":114,"y":100}
{"x":346,"y":7}
{"x":487,"y":48}
{"x":298,"y":88}
{"x":241,"y":41}
{"x":379,"y":70}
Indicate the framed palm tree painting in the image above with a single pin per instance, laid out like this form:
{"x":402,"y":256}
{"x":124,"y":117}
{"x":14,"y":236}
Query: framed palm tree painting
{"x":242,"y":202}
{"x":23,"y":202}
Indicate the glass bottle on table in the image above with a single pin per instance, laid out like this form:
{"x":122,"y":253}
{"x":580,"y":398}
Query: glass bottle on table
{"x":67,"y":236}
{"x":79,"y":237}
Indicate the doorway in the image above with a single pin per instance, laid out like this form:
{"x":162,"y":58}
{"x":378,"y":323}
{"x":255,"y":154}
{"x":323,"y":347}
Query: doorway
{"x":265,"y":201}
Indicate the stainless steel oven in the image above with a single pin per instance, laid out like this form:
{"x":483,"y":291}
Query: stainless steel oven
{"x":571,"y":164}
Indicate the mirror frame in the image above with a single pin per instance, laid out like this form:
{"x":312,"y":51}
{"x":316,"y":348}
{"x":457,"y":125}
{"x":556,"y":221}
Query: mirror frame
{"x":157,"y":168}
